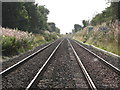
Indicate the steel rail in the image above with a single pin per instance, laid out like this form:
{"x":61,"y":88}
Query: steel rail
{"x":4,"y":72}
{"x":42,"y":68}
{"x":117,"y":70}
{"x":87,"y":76}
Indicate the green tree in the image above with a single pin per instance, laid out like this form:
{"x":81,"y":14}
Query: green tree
{"x":85,"y":23}
{"x":14,"y":15}
{"x":57,"y":30}
{"x":26,"y":16}
{"x":110,"y":13}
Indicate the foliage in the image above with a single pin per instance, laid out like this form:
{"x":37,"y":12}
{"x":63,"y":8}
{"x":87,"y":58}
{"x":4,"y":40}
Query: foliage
{"x":105,"y":40}
{"x":57,"y":30}
{"x":16,"y":33}
{"x":50,"y":36}
{"x":108,"y":37}
{"x":11,"y":45}
{"x":29,"y":21}
{"x":110,"y":13}
{"x":52,"y":28}
{"x":26,"y":16}
{"x":85,"y":23}
{"x":14,"y":41}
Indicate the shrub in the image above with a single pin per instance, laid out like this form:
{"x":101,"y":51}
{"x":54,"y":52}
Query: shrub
{"x":50,"y":37}
{"x":12,"y":46}
{"x":15,"y":42}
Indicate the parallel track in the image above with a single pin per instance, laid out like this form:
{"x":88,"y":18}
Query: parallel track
{"x":86,"y":74}
{"x":33,"y":82}
{"x":13,"y":67}
{"x":90,"y":61}
{"x":117,"y":70}
{"x":35,"y":79}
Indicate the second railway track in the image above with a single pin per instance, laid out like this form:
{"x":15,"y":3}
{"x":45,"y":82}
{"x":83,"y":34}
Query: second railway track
{"x":21,"y":76}
{"x":103,"y":74}
{"x":19,"y":60}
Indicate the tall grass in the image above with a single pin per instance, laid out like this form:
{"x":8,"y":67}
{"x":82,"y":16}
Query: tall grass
{"x":15,"y":42}
{"x":50,"y":36}
{"x":105,"y":40}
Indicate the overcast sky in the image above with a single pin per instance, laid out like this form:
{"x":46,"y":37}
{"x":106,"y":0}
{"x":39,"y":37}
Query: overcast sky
{"x":66,"y":13}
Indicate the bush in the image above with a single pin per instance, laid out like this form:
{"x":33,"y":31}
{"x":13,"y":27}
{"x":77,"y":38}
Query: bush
{"x":50,"y":37}
{"x":12,"y":46}
{"x":15,"y":42}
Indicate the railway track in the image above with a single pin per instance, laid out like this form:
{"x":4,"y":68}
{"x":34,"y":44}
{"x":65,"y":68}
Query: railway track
{"x":11,"y":68}
{"x":87,"y":76}
{"x":55,"y":66}
{"x":26,"y":68}
{"x":117,"y":70}
{"x":61,"y":76}
{"x":103,"y":74}
{"x":42,"y":68}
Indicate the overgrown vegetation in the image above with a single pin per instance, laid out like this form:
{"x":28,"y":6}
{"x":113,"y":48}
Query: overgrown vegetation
{"x":108,"y":40}
{"x":111,"y":13}
{"x":15,"y":42}
{"x":103,"y":30}
{"x":25,"y":16}
{"x":24,"y":26}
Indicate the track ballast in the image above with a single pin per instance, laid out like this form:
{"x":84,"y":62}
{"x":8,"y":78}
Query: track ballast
{"x":59,"y":66}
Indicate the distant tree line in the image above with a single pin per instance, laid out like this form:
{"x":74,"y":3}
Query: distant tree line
{"x":52,"y":27}
{"x":85,"y":23}
{"x":26,"y":16}
{"x":110,"y":13}
{"x":77,"y":27}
